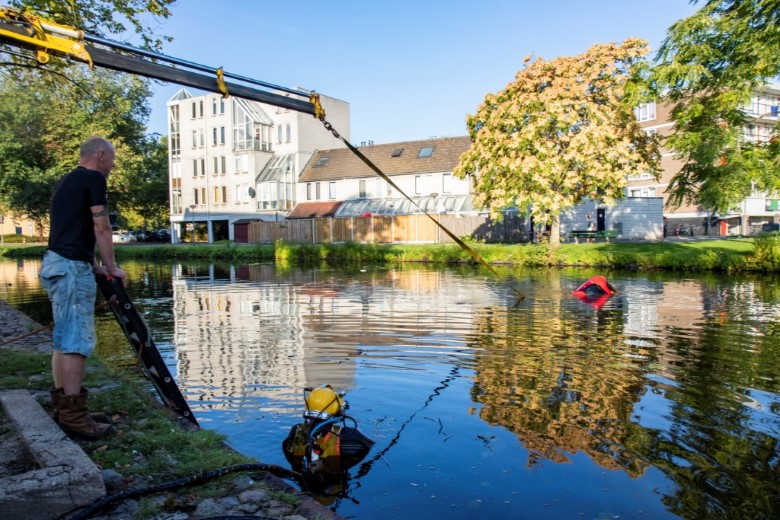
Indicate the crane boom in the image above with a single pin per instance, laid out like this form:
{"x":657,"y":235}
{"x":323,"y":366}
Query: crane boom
{"x":27,"y":31}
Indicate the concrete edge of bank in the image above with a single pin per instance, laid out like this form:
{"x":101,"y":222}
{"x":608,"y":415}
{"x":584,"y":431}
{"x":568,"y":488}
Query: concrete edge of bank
{"x":65,"y":478}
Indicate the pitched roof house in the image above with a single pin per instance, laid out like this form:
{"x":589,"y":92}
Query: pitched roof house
{"x":422,"y":169}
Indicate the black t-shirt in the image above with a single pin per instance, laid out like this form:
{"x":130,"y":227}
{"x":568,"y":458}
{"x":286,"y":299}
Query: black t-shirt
{"x":72,"y":234}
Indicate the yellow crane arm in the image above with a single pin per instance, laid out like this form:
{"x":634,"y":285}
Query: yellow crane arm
{"x":43,"y":36}
{"x":29,"y":31}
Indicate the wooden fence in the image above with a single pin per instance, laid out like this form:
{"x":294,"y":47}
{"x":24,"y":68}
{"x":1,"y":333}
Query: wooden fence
{"x":378,"y":229}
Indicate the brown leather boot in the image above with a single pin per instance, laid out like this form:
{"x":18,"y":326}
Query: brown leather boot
{"x":56,"y":395}
{"x":76,"y":422}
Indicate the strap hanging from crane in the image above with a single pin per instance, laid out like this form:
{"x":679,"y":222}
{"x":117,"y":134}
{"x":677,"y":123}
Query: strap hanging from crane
{"x":476,"y":256}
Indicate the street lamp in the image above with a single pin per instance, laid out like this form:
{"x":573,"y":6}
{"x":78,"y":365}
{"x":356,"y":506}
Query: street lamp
{"x":192,"y":211}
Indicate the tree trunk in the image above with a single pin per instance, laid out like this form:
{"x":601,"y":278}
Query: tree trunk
{"x":555,"y":231}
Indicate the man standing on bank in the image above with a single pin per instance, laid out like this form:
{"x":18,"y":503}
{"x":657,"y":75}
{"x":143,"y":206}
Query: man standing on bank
{"x":79,"y":220}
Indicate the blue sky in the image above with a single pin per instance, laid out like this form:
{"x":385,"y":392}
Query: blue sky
{"x":409,"y":69}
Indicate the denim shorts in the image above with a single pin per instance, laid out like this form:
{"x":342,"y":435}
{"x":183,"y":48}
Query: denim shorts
{"x":72,"y":290}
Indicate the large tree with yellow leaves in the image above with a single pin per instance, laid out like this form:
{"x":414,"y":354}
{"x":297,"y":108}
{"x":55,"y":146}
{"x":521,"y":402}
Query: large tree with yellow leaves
{"x":564,"y":131}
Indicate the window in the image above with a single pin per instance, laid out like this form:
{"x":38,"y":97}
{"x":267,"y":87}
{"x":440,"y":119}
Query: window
{"x":279,"y":134}
{"x":308,"y":191}
{"x":201,"y":138}
{"x":176,"y":201}
{"x":175,"y":141}
{"x":224,"y":194}
{"x":214,"y":106}
{"x":217,"y":191}
{"x":288,"y":134}
{"x":362,"y":189}
{"x":322,"y":161}
{"x":221,"y":105}
{"x":216,"y":165}
{"x":194,"y":110}
{"x":174,"y":138}
{"x":425,"y":151}
{"x":214,"y":136}
{"x":221,"y":135}
{"x":195,"y":196}
{"x":418,"y":184}
{"x":223,"y":162}
{"x":238,"y":164}
{"x":446,"y":183}
{"x":203,"y":200}
{"x":332,"y":190}
{"x":645,"y":111}
{"x":317,"y":192}
{"x":200,"y":108}
{"x":397,"y":152}
{"x":239,"y":195}
{"x":246,"y":134}
{"x":194,"y":167}
{"x":643,"y":192}
{"x":194,"y":138}
{"x":244,"y":163}
{"x":203,"y":166}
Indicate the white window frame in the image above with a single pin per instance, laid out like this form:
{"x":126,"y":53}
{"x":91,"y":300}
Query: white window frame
{"x":645,"y":111}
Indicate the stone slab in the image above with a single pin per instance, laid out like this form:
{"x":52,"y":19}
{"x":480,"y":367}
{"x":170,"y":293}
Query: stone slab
{"x":64,"y":478}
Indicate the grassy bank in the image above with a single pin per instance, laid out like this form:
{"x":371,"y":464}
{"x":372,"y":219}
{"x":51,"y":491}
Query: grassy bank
{"x":760,"y":254}
{"x":150,"y":446}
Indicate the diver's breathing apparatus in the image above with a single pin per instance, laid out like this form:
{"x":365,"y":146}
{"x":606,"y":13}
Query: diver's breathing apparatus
{"x":323,"y":403}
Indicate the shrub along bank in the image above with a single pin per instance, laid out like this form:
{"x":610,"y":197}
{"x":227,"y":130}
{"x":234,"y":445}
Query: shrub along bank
{"x":759,"y":254}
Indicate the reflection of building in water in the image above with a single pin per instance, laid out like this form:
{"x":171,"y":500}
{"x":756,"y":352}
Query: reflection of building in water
{"x":252,"y":331}
{"x":21,"y":273}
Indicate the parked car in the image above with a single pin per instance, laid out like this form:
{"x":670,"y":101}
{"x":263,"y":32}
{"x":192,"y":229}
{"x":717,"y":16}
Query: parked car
{"x":118,"y":237}
{"x":160,"y":235}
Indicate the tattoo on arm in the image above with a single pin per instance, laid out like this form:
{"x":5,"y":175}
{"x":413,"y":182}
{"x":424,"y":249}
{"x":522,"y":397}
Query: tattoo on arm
{"x":102,"y":213}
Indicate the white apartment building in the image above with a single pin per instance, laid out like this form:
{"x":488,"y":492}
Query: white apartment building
{"x":232,"y":159}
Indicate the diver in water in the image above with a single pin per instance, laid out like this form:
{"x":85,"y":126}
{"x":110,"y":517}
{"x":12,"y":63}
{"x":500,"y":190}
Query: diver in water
{"x":323,"y":448}
{"x":596,"y":291}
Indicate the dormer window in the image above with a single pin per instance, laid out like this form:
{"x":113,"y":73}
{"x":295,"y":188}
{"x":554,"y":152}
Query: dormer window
{"x":397,"y":152}
{"x":425,"y":151}
{"x":322,"y":161}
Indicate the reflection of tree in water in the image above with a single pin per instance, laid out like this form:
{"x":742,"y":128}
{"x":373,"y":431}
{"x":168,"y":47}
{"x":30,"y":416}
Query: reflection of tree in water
{"x":563,"y":385}
{"x":572,"y":381}
{"x":722,"y":448}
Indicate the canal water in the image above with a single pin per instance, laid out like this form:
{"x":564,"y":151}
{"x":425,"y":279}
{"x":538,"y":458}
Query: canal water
{"x":660,"y":402}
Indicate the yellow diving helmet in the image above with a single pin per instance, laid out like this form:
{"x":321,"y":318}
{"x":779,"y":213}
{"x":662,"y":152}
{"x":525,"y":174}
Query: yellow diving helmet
{"x":322,"y":403}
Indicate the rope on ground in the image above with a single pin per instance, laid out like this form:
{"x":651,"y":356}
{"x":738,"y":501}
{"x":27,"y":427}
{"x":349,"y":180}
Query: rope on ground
{"x":441,"y":226}
{"x":40,"y":329}
{"x":186,"y":481}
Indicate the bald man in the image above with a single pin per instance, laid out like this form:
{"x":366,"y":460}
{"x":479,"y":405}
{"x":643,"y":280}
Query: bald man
{"x":79,"y":221}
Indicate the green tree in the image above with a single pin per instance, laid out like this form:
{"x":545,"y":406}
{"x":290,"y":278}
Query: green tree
{"x":43,"y":124}
{"x":105,"y":18}
{"x":562,"y":132}
{"x":708,"y":67}
{"x":146,"y":204}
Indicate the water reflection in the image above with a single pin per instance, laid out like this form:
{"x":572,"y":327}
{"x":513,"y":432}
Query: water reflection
{"x":661,"y":402}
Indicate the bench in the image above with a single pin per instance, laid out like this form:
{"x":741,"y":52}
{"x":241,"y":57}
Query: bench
{"x":606,"y":234}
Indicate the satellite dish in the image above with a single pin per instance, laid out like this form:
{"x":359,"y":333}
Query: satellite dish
{"x":251,"y":192}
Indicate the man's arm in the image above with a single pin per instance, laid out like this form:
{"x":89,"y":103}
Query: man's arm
{"x":102,"y":227}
